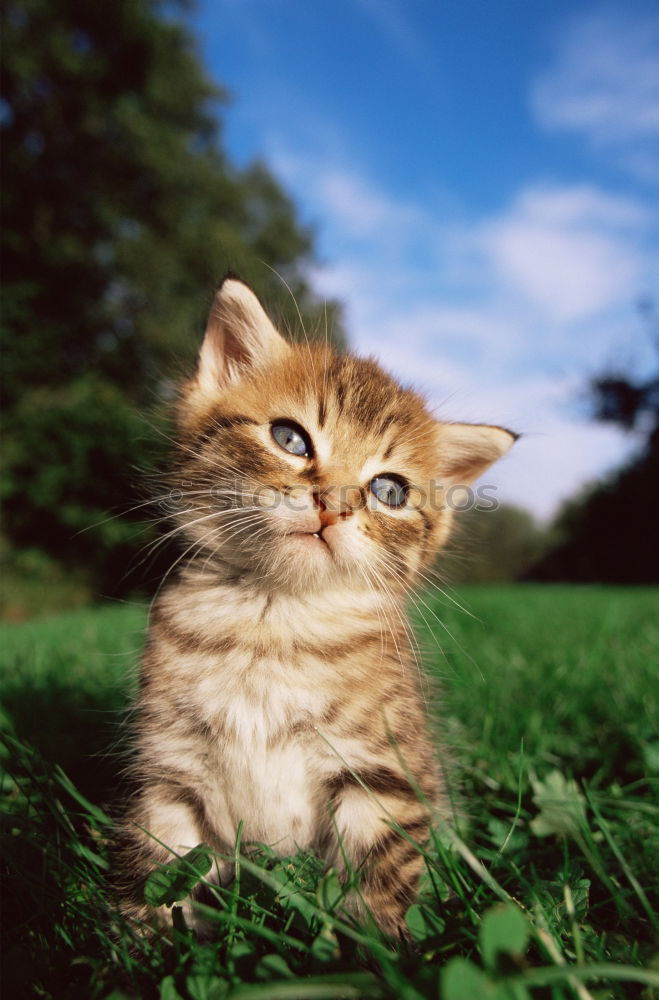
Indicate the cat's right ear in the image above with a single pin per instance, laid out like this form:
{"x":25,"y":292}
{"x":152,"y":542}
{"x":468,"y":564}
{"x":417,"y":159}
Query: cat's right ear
{"x":239,"y":337}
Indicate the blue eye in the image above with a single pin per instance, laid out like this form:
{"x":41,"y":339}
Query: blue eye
{"x":390,"y":490}
{"x":291,"y":438}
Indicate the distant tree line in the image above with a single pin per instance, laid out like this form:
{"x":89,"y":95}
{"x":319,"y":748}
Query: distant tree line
{"x":491,"y":546}
{"x":610,"y":534}
{"x":120,"y":213}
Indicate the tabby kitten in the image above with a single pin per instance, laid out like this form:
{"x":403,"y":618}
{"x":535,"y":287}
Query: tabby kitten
{"x":279,"y":685}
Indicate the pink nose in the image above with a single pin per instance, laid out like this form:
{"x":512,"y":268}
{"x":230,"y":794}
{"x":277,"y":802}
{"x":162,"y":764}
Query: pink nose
{"x":330,"y":508}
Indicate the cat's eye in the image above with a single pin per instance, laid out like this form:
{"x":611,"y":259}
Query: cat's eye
{"x":292,"y":438}
{"x":390,"y":490}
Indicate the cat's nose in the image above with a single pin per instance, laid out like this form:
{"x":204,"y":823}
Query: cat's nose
{"x":332,"y":506}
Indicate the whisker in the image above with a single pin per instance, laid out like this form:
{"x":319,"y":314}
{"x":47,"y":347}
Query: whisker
{"x":299,"y":315}
{"x":415,"y":597}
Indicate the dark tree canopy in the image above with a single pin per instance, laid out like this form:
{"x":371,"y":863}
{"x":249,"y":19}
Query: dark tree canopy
{"x":120,"y":213}
{"x":611,"y":532}
{"x":620,"y":398}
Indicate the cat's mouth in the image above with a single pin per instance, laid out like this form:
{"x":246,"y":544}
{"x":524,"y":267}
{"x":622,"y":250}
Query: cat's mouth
{"x":314,"y":538}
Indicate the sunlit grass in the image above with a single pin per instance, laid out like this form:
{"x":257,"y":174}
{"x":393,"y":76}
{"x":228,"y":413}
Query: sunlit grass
{"x":548,"y":699}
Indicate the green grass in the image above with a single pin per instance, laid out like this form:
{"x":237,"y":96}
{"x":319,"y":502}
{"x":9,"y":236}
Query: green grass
{"x":549,"y":705}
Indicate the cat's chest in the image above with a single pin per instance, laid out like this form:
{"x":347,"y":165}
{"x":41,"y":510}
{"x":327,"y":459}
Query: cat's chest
{"x":268,"y":758}
{"x":255,"y":674}
{"x":271,"y":699}
{"x":255,"y":693}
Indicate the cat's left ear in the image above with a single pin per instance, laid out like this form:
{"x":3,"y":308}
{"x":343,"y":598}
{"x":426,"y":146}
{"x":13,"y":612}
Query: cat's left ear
{"x":467,"y":450}
{"x":239,"y":337}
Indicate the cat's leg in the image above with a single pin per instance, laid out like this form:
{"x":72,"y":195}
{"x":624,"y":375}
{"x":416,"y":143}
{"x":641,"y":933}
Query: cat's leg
{"x":378,"y":834}
{"x":165,"y":822}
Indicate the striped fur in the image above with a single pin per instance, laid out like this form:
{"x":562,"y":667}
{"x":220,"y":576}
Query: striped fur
{"x":279,"y":686}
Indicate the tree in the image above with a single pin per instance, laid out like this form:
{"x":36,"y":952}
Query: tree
{"x":120,"y":213}
{"x":492,"y":545}
{"x":611,"y":532}
{"x":632,"y":403}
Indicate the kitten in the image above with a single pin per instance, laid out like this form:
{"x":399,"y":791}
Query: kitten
{"x":279,"y":685}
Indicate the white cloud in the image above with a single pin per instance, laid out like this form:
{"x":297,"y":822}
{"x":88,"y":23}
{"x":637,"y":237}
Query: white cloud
{"x":348,"y":202}
{"x":604,"y":82}
{"x":359,"y":208}
{"x":555,"y":257}
{"x":572,"y":252}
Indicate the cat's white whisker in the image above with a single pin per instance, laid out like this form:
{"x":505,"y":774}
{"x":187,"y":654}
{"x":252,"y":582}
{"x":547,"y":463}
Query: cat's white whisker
{"x":299,"y":316}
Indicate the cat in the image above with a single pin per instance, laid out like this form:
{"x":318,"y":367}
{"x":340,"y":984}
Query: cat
{"x":279,"y":685}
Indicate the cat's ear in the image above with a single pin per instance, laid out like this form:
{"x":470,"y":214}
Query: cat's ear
{"x":467,"y":450}
{"x":239,"y":337}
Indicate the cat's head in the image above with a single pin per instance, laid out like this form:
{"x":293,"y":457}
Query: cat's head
{"x":301,"y":468}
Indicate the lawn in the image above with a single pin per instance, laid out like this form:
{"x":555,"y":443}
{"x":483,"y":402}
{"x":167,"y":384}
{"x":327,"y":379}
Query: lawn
{"x":547,"y":699}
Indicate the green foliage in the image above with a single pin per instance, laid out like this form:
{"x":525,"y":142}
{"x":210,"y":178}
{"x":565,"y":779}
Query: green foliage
{"x":503,"y":931}
{"x":492,"y":545}
{"x":546,"y":891}
{"x":561,"y":806}
{"x":173,"y":881}
{"x":120,"y":209}
{"x":66,"y":466}
{"x":33,"y":584}
{"x":503,"y":937}
{"x":120,"y":213}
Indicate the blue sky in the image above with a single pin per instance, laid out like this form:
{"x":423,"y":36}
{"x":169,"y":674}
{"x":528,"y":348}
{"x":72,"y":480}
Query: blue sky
{"x":483,"y":179}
